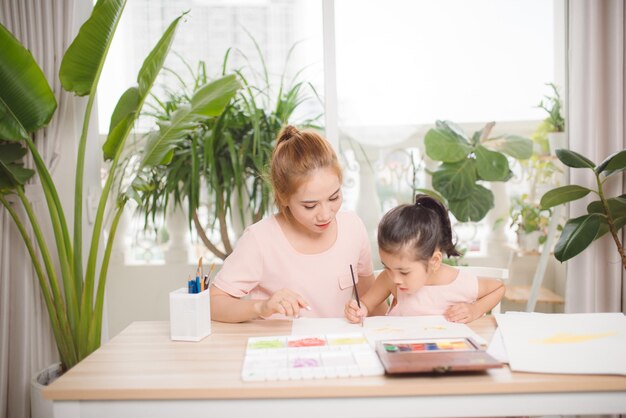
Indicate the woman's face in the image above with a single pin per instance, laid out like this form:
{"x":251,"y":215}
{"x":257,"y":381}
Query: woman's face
{"x":316,"y":202}
{"x":408,"y":275}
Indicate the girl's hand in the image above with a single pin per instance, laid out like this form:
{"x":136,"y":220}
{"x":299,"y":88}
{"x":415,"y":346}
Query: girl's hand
{"x":461,"y":312}
{"x":353,"y":313}
{"x":283,"y":302}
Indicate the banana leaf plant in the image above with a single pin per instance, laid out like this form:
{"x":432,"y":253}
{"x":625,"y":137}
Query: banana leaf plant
{"x":605,"y":215}
{"x":224,"y":157}
{"x":73,"y":302}
{"x":467,"y":162}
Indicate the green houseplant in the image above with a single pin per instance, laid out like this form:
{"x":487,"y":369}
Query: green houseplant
{"x":73,"y":302}
{"x":465,"y":162}
{"x":605,"y":215}
{"x":224,"y":157}
{"x":529,"y":220}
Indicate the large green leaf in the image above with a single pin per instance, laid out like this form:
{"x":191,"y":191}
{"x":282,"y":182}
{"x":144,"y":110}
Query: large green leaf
{"x":576,"y":236}
{"x":474,"y":207}
{"x":574,"y":159}
{"x":491,"y":165}
{"x":612,"y":164}
{"x":154,"y":61}
{"x":130,"y":103}
{"x":516,"y":146}
{"x":84,"y":58}
{"x":11,"y":171}
{"x":617,"y":209}
{"x":444,"y":145}
{"x":26,"y":99}
{"x":209,"y":100}
{"x":455,"y":180}
{"x":562,"y":195}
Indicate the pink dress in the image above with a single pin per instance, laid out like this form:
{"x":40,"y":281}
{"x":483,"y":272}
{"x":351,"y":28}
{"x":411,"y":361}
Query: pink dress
{"x":264,"y":262}
{"x":434,"y":300}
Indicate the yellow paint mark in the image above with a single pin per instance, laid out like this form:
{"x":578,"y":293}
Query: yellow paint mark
{"x":565,"y":338}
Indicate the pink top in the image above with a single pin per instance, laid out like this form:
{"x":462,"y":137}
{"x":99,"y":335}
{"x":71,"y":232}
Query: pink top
{"x":434,"y":300}
{"x":264,"y":262}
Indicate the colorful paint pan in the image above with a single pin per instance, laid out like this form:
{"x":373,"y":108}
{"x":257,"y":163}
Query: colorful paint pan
{"x":432,"y":345}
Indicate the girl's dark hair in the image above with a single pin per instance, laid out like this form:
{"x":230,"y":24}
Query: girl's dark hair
{"x":423,"y":227}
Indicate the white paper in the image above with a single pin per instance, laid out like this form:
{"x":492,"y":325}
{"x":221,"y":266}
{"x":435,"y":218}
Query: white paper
{"x":591,"y":343}
{"x":388,"y":327}
{"x":496,"y":347}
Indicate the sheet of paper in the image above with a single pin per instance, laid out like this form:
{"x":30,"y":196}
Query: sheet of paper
{"x":565,"y":343}
{"x":496,"y":347}
{"x":314,"y":326}
{"x":388,"y":327}
{"x":430,"y":326}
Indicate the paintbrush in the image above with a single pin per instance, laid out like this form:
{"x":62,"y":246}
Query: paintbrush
{"x":356,"y":292}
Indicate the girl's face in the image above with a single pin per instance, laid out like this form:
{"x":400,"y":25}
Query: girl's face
{"x":408,"y":274}
{"x":317,"y":201}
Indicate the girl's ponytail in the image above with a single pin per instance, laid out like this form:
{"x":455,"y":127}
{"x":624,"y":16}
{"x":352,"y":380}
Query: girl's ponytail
{"x":445,"y":242}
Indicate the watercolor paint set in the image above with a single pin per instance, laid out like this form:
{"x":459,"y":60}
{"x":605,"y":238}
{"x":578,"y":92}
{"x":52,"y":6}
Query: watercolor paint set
{"x":433,"y":355}
{"x":309,"y":357}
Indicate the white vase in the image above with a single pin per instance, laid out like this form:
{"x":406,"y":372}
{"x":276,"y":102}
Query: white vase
{"x":556,"y":140}
{"x":39,"y":406}
{"x":528,"y":241}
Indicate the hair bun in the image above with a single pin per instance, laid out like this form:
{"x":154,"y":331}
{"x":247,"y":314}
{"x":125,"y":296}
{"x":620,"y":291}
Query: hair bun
{"x":288,"y":132}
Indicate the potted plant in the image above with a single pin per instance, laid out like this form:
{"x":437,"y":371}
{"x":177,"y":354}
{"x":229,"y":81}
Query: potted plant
{"x":223,"y":157}
{"x":467,"y":162}
{"x":74,"y":295}
{"x":604,"y":215}
{"x":554,"y":125}
{"x":529,"y":221}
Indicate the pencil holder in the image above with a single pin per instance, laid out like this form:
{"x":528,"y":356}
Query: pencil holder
{"x":190,"y":315}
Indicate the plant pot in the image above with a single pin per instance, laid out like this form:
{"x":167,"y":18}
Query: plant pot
{"x":556,"y":140}
{"x":40,"y":407}
{"x":528,"y":241}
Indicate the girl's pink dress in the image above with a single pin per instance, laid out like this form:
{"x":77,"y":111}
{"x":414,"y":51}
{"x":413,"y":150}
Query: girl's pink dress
{"x":434,"y":300}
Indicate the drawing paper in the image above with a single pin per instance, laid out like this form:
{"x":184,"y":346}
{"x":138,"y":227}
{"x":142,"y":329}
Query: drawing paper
{"x":591,"y":343}
{"x":388,"y":327}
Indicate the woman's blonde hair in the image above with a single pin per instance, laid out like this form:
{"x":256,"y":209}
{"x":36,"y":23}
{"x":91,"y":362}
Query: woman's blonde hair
{"x":296,"y":154}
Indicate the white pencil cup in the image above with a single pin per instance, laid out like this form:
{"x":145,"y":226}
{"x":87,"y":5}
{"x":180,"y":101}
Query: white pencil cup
{"x":190,"y":315}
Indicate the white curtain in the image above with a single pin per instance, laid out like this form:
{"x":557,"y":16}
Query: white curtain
{"x":596,"y":114}
{"x":27,"y":345}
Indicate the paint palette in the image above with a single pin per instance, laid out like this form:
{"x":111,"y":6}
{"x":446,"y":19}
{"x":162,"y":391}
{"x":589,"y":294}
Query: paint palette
{"x":434,"y":355}
{"x":309,"y":357}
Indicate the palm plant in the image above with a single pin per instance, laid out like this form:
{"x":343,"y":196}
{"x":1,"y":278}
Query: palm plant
{"x":73,"y":303}
{"x":224,"y":156}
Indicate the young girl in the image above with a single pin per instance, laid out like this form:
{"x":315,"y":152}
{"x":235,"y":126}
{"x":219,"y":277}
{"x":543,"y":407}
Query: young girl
{"x":412,"y":240}
{"x":296,"y":262}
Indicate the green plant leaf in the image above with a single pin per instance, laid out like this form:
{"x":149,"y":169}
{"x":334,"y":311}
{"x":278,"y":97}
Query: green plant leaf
{"x":455,"y":180}
{"x":617,"y":209}
{"x":26,"y":99}
{"x":576,"y":236}
{"x":154,"y":61}
{"x":562,"y":195}
{"x":516,"y":146}
{"x":444,"y":145}
{"x":84,"y":58}
{"x":491,"y":165}
{"x":209,"y":100}
{"x":473,"y":208}
{"x":574,"y":159}
{"x":612,"y":164}
{"x":11,"y":171}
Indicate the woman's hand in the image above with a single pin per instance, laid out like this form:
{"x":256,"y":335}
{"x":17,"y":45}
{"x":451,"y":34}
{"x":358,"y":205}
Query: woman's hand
{"x":462,"y":312}
{"x":353,"y":313}
{"x":284,"y":302}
